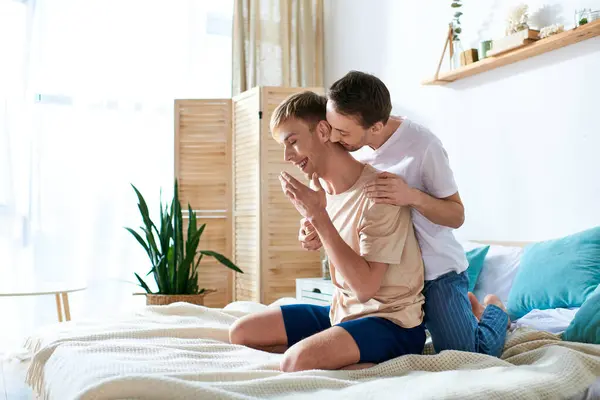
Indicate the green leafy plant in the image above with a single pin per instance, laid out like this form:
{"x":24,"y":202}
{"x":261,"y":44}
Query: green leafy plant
{"x":581,"y":16}
{"x":174,"y":258}
{"x":456,"y":29}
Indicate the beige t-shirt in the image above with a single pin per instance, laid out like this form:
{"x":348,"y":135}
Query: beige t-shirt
{"x":379,"y":233}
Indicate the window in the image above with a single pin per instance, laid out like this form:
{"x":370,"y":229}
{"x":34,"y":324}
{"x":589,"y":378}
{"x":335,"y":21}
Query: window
{"x":86,"y":109}
{"x":13,"y":36}
{"x":134,"y":53}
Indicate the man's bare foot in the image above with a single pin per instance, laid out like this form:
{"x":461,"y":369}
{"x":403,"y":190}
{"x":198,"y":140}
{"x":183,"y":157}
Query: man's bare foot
{"x":476,"y":306}
{"x":495,"y":300}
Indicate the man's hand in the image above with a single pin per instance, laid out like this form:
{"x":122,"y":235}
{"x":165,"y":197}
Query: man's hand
{"x":388,"y":188}
{"x":308,"y":236}
{"x":391,"y":189}
{"x":309,"y":203}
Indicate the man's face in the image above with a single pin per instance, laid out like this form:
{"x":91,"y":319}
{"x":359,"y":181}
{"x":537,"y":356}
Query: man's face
{"x":345,"y":130}
{"x":301,"y":147}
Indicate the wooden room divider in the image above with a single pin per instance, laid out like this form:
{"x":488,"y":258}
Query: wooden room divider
{"x":228,"y":164}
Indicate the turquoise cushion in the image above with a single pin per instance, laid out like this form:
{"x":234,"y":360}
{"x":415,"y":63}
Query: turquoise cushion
{"x":585,"y":327}
{"x":475,"y":258}
{"x":558,"y":273}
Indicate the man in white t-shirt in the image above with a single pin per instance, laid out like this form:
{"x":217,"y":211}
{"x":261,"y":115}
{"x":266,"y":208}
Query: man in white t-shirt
{"x":417,"y":174}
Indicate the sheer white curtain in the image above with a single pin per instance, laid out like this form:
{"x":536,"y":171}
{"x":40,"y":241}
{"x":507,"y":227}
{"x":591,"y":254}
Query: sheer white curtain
{"x":90,"y":113}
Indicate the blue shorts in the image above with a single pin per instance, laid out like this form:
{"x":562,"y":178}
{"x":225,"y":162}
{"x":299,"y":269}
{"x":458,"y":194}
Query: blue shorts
{"x":378,"y":339}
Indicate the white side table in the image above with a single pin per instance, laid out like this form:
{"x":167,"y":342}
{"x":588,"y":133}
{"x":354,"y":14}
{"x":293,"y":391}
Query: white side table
{"x":60,"y":291}
{"x":317,"y":291}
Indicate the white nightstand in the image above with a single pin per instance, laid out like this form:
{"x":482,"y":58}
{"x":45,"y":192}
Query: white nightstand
{"x":317,"y":291}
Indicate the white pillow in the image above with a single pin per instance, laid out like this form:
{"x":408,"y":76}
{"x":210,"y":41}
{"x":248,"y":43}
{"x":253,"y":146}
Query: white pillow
{"x":498,"y":272}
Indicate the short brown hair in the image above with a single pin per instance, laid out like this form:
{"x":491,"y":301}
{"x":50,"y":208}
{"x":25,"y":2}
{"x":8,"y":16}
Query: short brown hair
{"x":362,"y":95}
{"x":307,"y":106}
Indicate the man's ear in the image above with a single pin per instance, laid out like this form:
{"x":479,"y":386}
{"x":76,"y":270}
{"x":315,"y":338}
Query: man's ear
{"x":324,"y":131}
{"x":377,"y":127}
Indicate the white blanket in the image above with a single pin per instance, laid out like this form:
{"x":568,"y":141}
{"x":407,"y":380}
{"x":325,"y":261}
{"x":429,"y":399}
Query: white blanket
{"x":181,"y":351}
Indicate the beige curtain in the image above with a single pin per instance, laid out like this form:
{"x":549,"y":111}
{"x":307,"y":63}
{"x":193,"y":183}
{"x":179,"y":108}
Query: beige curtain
{"x":277,"y":43}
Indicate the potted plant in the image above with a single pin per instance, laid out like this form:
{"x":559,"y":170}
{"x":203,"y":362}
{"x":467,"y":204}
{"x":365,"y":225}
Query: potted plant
{"x":174,"y":258}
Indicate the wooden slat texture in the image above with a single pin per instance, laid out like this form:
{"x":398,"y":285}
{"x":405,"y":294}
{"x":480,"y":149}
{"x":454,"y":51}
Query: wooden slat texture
{"x":246,"y":206}
{"x":203,"y":169}
{"x":202,"y":153}
{"x":283,"y":260}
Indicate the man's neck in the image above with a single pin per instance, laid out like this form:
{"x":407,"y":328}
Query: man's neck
{"x":376,"y":141}
{"x":339,"y":170}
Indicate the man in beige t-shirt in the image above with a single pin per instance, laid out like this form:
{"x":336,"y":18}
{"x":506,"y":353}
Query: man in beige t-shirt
{"x":379,"y":233}
{"x":375,"y":262}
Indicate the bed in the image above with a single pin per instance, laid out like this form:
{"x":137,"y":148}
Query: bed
{"x":182,"y":351}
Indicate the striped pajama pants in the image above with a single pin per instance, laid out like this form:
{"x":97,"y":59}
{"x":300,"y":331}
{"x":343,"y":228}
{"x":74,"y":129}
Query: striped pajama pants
{"x":451,"y":323}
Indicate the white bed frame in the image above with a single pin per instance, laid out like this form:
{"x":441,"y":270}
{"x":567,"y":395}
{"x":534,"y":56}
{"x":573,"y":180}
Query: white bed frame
{"x":502,"y":243}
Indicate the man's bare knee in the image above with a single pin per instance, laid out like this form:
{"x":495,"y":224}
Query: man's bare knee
{"x":296,"y":359}
{"x":334,"y":348}
{"x":238,"y":332}
{"x":260,"y":330}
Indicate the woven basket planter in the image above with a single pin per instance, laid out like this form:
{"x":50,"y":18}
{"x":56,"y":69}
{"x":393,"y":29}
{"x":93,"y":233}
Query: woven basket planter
{"x":165,"y":299}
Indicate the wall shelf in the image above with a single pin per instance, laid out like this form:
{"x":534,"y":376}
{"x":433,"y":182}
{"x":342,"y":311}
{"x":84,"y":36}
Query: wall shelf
{"x":541,"y":46}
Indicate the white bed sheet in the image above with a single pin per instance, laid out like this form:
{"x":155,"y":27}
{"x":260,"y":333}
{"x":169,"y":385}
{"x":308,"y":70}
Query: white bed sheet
{"x":554,"y":320}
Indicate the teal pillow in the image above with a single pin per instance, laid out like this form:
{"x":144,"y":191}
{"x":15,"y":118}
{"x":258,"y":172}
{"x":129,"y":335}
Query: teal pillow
{"x":585,"y":327}
{"x":476,"y":257}
{"x":558,"y":273}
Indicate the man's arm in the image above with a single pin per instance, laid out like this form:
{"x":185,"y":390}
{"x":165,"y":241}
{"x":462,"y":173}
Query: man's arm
{"x":448,"y":211}
{"x":363,"y":277}
{"x":440,"y":203}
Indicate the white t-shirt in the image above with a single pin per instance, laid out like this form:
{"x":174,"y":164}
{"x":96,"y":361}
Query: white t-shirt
{"x":418,"y":156}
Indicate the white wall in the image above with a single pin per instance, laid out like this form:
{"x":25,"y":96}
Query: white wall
{"x":523,"y":140}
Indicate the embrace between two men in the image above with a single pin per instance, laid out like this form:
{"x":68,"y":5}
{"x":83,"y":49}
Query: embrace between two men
{"x":382,"y":203}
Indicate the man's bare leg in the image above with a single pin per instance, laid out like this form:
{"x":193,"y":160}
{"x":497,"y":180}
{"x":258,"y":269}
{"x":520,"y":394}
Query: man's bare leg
{"x":262,"y":331}
{"x":331,"y":349}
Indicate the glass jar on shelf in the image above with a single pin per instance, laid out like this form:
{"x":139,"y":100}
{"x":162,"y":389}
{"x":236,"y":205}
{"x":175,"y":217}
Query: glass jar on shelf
{"x":585,"y":16}
{"x":457,"y":49}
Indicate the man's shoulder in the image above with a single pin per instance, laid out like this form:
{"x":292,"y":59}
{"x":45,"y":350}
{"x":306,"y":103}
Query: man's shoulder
{"x":418,"y":133}
{"x":367,"y":176}
{"x":369,"y":172}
